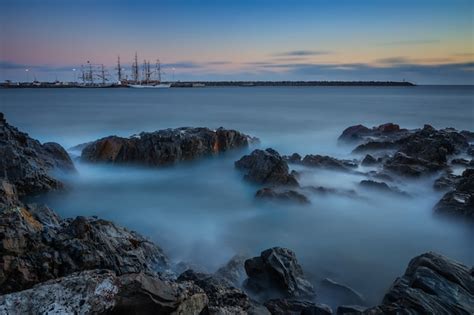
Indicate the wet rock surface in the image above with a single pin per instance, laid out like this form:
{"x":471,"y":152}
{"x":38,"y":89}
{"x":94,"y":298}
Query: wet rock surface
{"x":432,"y":284}
{"x":26,"y":164}
{"x":277,"y":273}
{"x":36,"y":245}
{"x":164,"y":147}
{"x":342,"y":292}
{"x":460,"y":200}
{"x":327,"y":162}
{"x":266,"y":167}
{"x":359,"y":133}
{"x":381,"y":187}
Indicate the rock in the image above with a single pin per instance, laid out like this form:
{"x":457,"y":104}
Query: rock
{"x":223,"y":297}
{"x":282,"y":195}
{"x":360,"y":133}
{"x":341,"y":292}
{"x":102,"y":292}
{"x":36,"y":245}
{"x":432,"y":284}
{"x":233,"y":271}
{"x":8,"y":194}
{"x":369,"y":160}
{"x":460,"y":201}
{"x":327,"y":162}
{"x":446,"y":181}
{"x":469,"y":135}
{"x":294,"y":158}
{"x":164,"y":147}
{"x":295,"y":307}
{"x":409,"y":166}
{"x":470,"y":150}
{"x":381,"y":186}
{"x":266,"y":167}
{"x":27,"y":164}
{"x":350,"y":310}
{"x":462,"y":162}
{"x":331,"y":191}
{"x":277,"y":273}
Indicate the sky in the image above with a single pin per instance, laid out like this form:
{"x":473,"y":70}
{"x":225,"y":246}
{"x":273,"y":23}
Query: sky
{"x":425,"y":42}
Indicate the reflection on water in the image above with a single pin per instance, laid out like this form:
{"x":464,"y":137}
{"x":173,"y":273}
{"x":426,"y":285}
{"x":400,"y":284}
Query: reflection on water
{"x":203,"y":212}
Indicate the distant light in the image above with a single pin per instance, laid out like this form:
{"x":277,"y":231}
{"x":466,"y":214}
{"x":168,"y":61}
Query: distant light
{"x":74,"y":69}
{"x":27,"y":70}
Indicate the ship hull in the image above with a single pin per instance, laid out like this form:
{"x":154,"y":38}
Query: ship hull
{"x":157,"y":86}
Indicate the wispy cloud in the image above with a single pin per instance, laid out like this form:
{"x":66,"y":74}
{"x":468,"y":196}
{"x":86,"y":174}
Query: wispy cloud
{"x":301,"y":53}
{"x":411,"y":42}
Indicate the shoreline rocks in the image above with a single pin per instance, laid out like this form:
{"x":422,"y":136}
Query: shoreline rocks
{"x":164,"y":147}
{"x":459,"y":201}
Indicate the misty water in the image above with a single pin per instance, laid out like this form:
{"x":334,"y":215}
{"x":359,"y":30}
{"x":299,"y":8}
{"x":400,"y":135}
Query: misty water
{"x":203,"y":212}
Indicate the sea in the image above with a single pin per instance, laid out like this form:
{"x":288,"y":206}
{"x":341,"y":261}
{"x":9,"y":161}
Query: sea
{"x":203,"y":212}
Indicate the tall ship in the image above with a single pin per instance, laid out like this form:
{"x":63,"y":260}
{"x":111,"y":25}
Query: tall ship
{"x":148,"y":78}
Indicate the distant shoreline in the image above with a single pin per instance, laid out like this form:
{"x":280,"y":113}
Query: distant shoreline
{"x":201,"y":84}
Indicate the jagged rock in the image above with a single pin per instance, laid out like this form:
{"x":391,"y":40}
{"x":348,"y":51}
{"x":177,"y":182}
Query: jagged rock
{"x":470,"y":150}
{"x":266,"y":167}
{"x":462,"y":162}
{"x":350,"y":310}
{"x":295,"y":307}
{"x":27,"y":164}
{"x":432,"y":284}
{"x":359,"y":133}
{"x":381,"y":186}
{"x":282,"y":194}
{"x":341,"y":292}
{"x":327,"y":162}
{"x":446,"y":181}
{"x":277,"y":273}
{"x":102,"y":292}
{"x":8,"y":194}
{"x":406,"y":165}
{"x":469,"y":135}
{"x":36,"y":245}
{"x":233,"y":271}
{"x":164,"y":147}
{"x":460,"y":201}
{"x":294,"y":158}
{"x":374,"y":146}
{"x":369,"y":160}
{"x":223,"y":297}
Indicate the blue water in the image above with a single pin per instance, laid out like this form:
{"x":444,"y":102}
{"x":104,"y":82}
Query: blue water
{"x":203,"y":212}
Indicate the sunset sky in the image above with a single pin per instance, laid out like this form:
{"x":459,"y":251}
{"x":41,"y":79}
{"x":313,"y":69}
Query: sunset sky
{"x":426,"y":42}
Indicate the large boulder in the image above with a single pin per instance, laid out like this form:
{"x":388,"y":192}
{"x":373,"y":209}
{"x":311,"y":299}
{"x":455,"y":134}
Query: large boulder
{"x":459,"y":201}
{"x":266,"y":167}
{"x":164,"y":147}
{"x":102,"y":292}
{"x":432,"y":284}
{"x":27,"y":164}
{"x":277,"y":273}
{"x":36,"y":245}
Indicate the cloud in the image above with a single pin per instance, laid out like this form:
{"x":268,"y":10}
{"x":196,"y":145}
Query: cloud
{"x":302,"y":53}
{"x":411,"y":42}
{"x":183,"y":65}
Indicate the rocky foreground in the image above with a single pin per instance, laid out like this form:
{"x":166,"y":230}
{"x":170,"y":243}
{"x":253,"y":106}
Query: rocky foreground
{"x":92,"y":266}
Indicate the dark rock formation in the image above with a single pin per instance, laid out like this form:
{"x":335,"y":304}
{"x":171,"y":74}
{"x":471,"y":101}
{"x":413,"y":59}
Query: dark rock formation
{"x":432,"y":284}
{"x":223,"y":297}
{"x":342,"y":292}
{"x":462,"y":162}
{"x":164,"y":147}
{"x":277,"y":273}
{"x":295,"y":307}
{"x":459,"y":201}
{"x":382,"y":187}
{"x":27,"y":164}
{"x":327,"y":162}
{"x":360,"y":133}
{"x":350,"y":309}
{"x":266,"y":167}
{"x":282,"y":195}
{"x":369,"y":160}
{"x":294,"y":158}
{"x":102,"y":292}
{"x":36,"y":245}
{"x":447,"y":181}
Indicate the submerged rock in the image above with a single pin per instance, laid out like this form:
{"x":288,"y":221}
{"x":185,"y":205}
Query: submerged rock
{"x":369,"y":160}
{"x":342,"y":292}
{"x":432,"y":284}
{"x":360,"y":133}
{"x":164,"y":147}
{"x":327,"y":162}
{"x":382,"y":187}
{"x":233,"y":271}
{"x":282,"y":195}
{"x":277,"y":273}
{"x":27,"y":164}
{"x":459,"y":201}
{"x":36,"y":245}
{"x":350,"y":310}
{"x":295,"y":307}
{"x":266,"y":167}
{"x":102,"y":292}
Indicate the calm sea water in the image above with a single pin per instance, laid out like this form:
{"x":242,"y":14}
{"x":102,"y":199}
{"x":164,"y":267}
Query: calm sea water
{"x":204,"y":213}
